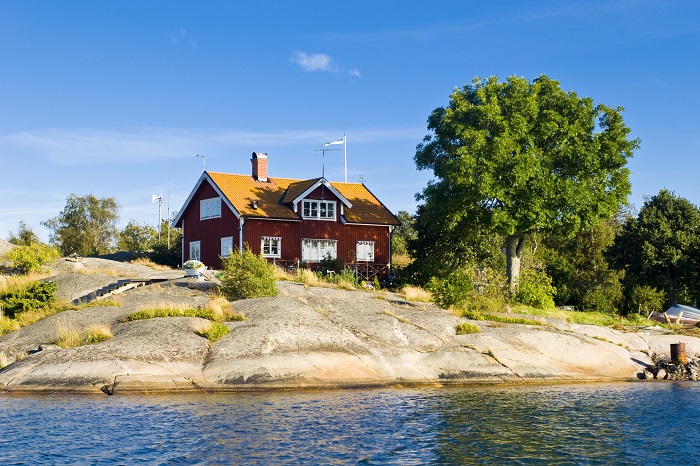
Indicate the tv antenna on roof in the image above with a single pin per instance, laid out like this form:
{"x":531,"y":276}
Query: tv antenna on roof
{"x":323,"y":159}
{"x":203,"y":161}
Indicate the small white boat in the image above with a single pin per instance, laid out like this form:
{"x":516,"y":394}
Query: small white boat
{"x":678,"y":313}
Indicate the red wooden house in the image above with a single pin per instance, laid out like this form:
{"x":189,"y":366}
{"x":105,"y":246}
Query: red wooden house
{"x":288,"y":221}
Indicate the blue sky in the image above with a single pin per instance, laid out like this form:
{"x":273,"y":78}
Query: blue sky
{"x":117,"y":98}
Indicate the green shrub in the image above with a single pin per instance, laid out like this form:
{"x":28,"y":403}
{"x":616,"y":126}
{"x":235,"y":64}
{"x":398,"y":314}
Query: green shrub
{"x":465,"y":328}
{"x":32,"y":257}
{"x":29,"y":297}
{"x":535,"y":289}
{"x":328,"y":263}
{"x":452,"y":291}
{"x":246,"y":275}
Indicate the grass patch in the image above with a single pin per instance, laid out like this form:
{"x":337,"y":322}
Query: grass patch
{"x":150,"y":264}
{"x":4,"y":361}
{"x":308,"y":277}
{"x":476,"y":315}
{"x":217,"y":309}
{"x":465,"y":328}
{"x":212,"y":331}
{"x":283,"y":274}
{"x":97,"y":333}
{"x":70,"y":336}
{"x":170,"y":311}
{"x":15,"y":283}
{"x":8,"y":325}
{"x":417,"y":294}
{"x":222,"y":310}
{"x":600,"y":319}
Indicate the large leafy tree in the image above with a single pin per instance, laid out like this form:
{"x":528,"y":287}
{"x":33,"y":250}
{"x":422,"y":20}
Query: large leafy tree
{"x":87,"y":225}
{"x":520,"y":157}
{"x":660,"y":247}
{"x":137,"y":238}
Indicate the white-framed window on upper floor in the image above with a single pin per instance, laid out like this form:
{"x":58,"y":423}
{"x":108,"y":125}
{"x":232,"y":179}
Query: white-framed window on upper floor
{"x":364,"y":250}
{"x":271,"y":246}
{"x":320,"y":210}
{"x":226,"y":246}
{"x":315,"y":250}
{"x":210,"y":208}
{"x":195,"y":251}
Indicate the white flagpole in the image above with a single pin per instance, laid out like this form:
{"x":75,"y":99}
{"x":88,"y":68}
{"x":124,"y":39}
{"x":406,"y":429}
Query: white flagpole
{"x":345,"y":156}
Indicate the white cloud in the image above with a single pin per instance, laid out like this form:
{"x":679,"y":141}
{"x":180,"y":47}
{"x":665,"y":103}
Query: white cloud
{"x":320,"y":62}
{"x":314,"y":62}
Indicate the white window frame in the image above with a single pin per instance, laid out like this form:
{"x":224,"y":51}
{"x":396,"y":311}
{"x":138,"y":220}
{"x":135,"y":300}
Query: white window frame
{"x":273,"y":242}
{"x":312,"y":209}
{"x":364,"y":251}
{"x":210,"y":208}
{"x":226,"y":246}
{"x":195,"y":250}
{"x":315,"y":250}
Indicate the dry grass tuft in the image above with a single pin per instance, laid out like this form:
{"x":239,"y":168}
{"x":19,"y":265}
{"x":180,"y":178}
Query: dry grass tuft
{"x":30,"y":317}
{"x":70,"y":335}
{"x":18,"y":282}
{"x":222,"y":310}
{"x":8,"y":325}
{"x":149,"y":263}
{"x":97,"y":332}
{"x":282,"y":274}
{"x":415,"y":293}
{"x":3,"y":360}
{"x":307,"y":277}
{"x":109,"y":271}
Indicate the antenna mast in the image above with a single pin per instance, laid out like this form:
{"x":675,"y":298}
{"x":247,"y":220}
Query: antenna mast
{"x":323,"y":160}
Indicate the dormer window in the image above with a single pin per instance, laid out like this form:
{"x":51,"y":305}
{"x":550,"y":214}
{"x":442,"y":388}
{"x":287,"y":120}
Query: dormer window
{"x":320,"y":210}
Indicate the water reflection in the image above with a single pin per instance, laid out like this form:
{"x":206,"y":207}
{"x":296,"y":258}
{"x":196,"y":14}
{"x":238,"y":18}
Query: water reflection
{"x":568,"y":424}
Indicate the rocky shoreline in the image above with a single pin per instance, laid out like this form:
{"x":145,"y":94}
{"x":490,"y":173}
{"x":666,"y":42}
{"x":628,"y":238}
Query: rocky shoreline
{"x":308,"y":337}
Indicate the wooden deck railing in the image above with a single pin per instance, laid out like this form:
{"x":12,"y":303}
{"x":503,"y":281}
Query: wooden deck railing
{"x":367,"y":271}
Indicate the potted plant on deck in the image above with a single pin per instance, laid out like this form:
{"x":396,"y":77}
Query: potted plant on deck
{"x":194,"y":268}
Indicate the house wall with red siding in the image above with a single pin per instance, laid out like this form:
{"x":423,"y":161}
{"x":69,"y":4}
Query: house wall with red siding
{"x":210,"y":231}
{"x":292,"y":234}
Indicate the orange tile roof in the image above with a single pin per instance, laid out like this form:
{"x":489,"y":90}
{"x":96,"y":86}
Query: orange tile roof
{"x":296,"y":188}
{"x":366,"y":208}
{"x":242,"y":190}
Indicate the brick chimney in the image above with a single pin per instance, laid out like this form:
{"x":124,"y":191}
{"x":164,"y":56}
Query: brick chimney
{"x":259,"y":166}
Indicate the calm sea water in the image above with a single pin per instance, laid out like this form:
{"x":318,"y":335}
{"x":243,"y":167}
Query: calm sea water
{"x":637,"y":423}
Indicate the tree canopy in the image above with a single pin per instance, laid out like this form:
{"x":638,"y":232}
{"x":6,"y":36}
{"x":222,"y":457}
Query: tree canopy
{"x":87,"y":225}
{"x":25,"y":236}
{"x":660,"y":247}
{"x":137,"y":238}
{"x":518,"y":157}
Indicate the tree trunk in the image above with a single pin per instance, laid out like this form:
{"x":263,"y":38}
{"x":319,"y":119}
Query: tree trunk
{"x":514,"y":249}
